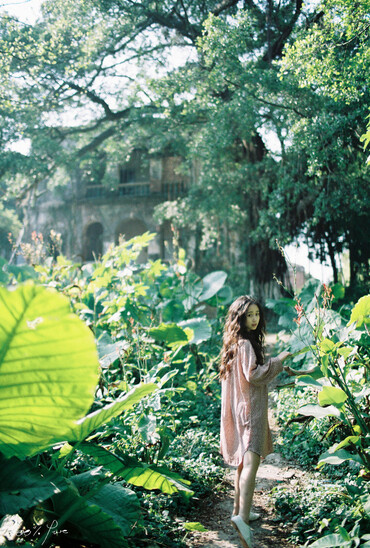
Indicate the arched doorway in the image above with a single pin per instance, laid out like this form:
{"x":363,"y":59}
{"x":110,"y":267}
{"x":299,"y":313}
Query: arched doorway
{"x":93,"y":242}
{"x":129,"y":229}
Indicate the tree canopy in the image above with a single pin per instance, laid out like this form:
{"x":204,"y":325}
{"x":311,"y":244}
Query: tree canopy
{"x":210,"y":80}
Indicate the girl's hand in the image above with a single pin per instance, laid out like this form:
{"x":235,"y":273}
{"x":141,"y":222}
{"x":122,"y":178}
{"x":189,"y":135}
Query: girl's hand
{"x":284,"y":355}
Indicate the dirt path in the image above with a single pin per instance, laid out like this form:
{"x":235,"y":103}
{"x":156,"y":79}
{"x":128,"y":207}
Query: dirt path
{"x":214,"y":514}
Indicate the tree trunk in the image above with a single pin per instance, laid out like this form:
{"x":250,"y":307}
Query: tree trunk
{"x":263,"y":262}
{"x":333,"y":263}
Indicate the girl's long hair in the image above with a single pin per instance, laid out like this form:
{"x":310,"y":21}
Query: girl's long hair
{"x":235,"y":329}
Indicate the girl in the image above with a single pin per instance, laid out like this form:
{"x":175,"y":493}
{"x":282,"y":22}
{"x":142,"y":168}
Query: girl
{"x":245,"y":433}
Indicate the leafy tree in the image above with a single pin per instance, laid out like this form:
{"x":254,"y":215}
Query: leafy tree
{"x":236,"y":94}
{"x":331,"y":61}
{"x":111,"y":76}
{"x":75,"y":60}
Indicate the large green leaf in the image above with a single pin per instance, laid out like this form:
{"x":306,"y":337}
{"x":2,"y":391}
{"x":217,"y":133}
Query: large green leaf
{"x":23,"y":485}
{"x":192,"y":290}
{"x":201,"y":329}
{"x":318,"y":412}
{"x":334,"y":540}
{"x":21,"y":273}
{"x":173,"y":311}
{"x":138,"y":473}
{"x":48,"y":369}
{"x":331,"y":395}
{"x":338,"y":457}
{"x":361,"y":312}
{"x":212,"y":283}
{"x":104,"y":519}
{"x":116,"y":500}
{"x":169,"y":333}
{"x":91,"y":422}
{"x":307,"y":380}
{"x":225,"y":295}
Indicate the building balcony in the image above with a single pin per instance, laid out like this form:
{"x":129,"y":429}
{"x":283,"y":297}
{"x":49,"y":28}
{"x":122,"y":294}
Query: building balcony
{"x":166,"y":191}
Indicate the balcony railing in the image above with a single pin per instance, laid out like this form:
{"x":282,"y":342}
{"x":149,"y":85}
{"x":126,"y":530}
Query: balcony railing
{"x":169,"y":191}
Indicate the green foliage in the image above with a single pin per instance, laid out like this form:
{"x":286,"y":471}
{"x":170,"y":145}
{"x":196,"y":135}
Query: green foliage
{"x":213,"y":82}
{"x":205,"y":467}
{"x":340,"y":349}
{"x":301,"y":443}
{"x":43,"y":392}
{"x":329,"y":60}
{"x":138,"y":473}
{"x":333,"y":53}
{"x":49,"y":367}
{"x":106,"y":516}
{"x":335,"y":508}
{"x":361,"y":312}
{"x":330,"y":394}
{"x":150,"y":373}
{"x":204,"y":112}
{"x":24,"y":485}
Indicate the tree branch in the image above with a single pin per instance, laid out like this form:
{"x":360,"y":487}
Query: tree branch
{"x":96,"y":141}
{"x":224,"y":5}
{"x":176,"y":21}
{"x":276,"y":48}
{"x":110,"y":115}
{"x":265,"y":102}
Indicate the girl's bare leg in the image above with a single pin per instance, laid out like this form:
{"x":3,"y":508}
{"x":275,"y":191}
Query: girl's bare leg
{"x":247,"y":482}
{"x":237,"y":489}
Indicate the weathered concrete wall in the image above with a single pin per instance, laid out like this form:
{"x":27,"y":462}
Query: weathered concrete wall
{"x":91,"y":216}
{"x":126,"y":216}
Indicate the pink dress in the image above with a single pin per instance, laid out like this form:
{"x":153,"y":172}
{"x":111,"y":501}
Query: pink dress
{"x":244,"y":400}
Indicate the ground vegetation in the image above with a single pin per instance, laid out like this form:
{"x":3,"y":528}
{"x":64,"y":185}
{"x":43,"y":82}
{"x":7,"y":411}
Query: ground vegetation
{"x":110,"y":403}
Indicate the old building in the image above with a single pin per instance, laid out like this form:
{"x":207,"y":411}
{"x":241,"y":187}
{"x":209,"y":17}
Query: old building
{"x":90,"y":214}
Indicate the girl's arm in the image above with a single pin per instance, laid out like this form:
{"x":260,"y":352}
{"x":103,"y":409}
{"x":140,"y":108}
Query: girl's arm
{"x":284,"y":355}
{"x":260,"y":374}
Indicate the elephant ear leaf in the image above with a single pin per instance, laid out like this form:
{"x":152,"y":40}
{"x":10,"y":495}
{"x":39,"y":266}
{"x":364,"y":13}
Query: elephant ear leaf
{"x":48,"y":370}
{"x":102,"y":514}
{"x":23,"y":485}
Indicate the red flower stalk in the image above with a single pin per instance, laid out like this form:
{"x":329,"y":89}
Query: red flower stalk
{"x":300,"y":310}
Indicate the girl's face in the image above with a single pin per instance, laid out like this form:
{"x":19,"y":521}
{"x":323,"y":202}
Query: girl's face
{"x":252,"y":317}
